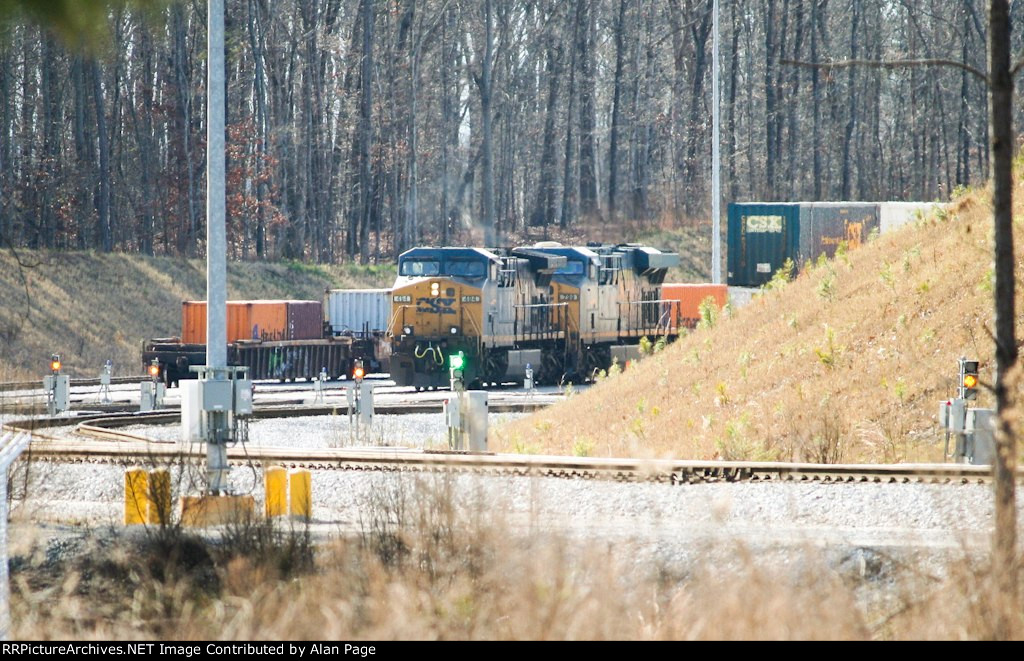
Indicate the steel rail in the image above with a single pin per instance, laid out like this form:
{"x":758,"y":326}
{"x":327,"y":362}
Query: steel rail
{"x":173,"y":415}
{"x":118,"y":448}
{"x":38,"y":385}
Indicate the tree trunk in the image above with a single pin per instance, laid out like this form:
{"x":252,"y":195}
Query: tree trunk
{"x":1002,"y":146}
{"x":771,"y":125}
{"x":568,"y":183}
{"x":613,"y":147}
{"x":449,"y":128}
{"x":588,"y":109}
{"x":366,"y":133}
{"x":485,"y":85}
{"x":103,"y":174}
{"x":544,"y":210}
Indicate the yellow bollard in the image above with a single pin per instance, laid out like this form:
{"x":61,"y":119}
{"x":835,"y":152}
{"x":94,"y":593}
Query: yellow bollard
{"x":275,"y":484}
{"x":136,"y":496}
{"x":301,"y":488}
{"x":159,"y":497}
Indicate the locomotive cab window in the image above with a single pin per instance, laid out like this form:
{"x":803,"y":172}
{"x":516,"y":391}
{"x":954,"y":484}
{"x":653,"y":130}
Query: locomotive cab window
{"x":465,"y":268}
{"x":420,"y":267}
{"x":572,"y":267}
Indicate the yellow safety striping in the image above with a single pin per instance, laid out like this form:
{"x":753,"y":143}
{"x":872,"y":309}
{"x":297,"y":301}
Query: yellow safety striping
{"x":136,"y":496}
{"x":160,"y":504}
{"x":300,"y":486}
{"x":275,"y":483}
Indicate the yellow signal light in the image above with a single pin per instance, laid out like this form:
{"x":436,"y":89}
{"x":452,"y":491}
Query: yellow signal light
{"x":154,"y":370}
{"x":970,"y":381}
{"x":358,"y":373}
{"x":55,"y":365}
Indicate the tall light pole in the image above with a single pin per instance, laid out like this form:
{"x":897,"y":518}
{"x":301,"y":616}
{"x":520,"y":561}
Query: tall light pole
{"x":716,"y":159}
{"x":216,"y":242}
{"x":216,"y":253}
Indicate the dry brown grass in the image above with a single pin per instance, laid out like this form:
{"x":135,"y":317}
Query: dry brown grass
{"x":424,"y":568}
{"x":90,"y":307}
{"x":846,"y":363}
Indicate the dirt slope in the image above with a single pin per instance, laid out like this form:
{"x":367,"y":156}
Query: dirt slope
{"x":90,"y":307}
{"x":845,"y":363}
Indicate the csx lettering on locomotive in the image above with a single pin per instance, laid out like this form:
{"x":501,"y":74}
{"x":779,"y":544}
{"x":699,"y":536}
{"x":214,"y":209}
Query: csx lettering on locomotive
{"x":435,"y":305}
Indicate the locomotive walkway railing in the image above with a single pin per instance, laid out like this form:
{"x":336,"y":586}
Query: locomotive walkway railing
{"x":649,"y":317}
{"x":539,"y":321}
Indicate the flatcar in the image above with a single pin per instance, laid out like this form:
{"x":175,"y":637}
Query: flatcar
{"x":282,"y":340}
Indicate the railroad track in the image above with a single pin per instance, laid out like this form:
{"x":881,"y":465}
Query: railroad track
{"x":38,"y":384}
{"x":107,"y":420}
{"x":123,"y":449}
{"x":104,"y":442}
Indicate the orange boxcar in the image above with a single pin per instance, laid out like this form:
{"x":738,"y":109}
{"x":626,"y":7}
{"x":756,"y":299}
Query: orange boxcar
{"x":688,"y":297}
{"x":256,"y":320}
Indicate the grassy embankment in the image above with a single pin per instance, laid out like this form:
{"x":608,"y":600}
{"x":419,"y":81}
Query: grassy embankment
{"x":846,"y":363}
{"x":90,"y":307}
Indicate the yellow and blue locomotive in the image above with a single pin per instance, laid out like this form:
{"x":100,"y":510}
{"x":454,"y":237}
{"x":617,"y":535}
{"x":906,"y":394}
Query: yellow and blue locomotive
{"x":563,"y":312}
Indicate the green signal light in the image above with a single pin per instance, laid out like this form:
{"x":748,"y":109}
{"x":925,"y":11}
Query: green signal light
{"x":457,"y":361}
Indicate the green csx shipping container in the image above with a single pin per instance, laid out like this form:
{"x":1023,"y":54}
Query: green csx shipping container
{"x":761,"y":238}
{"x":763,"y":235}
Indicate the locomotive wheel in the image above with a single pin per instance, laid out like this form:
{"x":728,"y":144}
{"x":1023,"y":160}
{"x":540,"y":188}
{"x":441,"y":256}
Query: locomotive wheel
{"x":495,"y":367}
{"x":595,"y":360}
{"x":552,"y":369}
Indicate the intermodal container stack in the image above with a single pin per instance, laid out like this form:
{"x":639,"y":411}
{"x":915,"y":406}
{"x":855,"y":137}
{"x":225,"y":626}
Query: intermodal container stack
{"x":266,"y":321}
{"x":763,"y":235}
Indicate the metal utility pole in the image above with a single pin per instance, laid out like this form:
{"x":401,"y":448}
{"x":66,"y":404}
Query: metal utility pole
{"x":716,"y":157}
{"x":216,"y":243}
{"x":216,"y":246}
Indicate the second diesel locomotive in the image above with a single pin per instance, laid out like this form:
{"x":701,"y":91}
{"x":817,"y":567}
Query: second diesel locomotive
{"x":563,"y":312}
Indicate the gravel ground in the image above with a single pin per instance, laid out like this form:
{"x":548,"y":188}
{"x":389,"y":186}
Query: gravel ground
{"x":671,"y":525}
{"x":881,"y":538}
{"x":415,"y":430}
{"x":942,"y":516}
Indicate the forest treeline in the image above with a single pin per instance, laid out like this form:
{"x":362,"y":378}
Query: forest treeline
{"x":358,"y":128}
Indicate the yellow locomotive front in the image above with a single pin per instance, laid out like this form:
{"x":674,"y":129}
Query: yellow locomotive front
{"x":437,"y":311}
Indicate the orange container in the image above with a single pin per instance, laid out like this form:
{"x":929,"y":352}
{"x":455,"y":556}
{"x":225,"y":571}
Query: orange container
{"x":688,"y":297}
{"x":256,"y":320}
{"x":193,"y":322}
{"x":266,"y":320}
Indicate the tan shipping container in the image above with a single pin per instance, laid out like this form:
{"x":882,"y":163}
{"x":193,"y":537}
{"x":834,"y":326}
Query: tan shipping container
{"x":686,"y":311}
{"x":256,"y":320}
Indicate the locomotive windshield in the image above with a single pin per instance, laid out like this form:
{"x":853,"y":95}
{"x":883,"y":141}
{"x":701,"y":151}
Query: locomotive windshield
{"x":420,"y":267}
{"x":465,"y":268}
{"x":572,"y":267}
